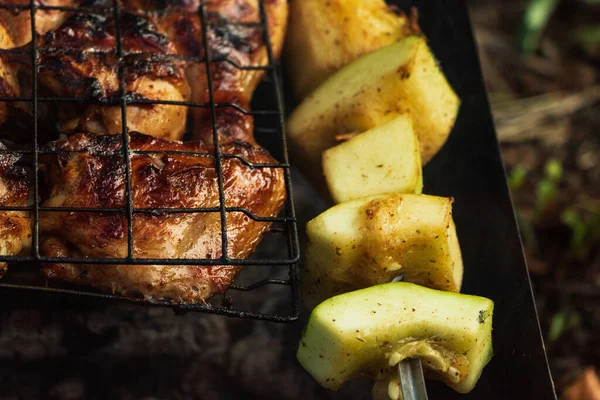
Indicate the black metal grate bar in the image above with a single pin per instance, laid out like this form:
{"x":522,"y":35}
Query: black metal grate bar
{"x":283,"y":225}
{"x":124,"y":131}
{"x":290,"y":212}
{"x":213,"y":116}
{"x":103,"y":10}
{"x":36,"y":183}
{"x":118,"y":101}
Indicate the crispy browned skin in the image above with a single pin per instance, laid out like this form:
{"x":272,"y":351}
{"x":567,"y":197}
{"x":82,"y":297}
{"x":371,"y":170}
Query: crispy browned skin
{"x":231,"y":45}
{"x":18,"y":21}
{"x":15,"y":226}
{"x":9,"y":85}
{"x":80,"y":61}
{"x":96,"y":178}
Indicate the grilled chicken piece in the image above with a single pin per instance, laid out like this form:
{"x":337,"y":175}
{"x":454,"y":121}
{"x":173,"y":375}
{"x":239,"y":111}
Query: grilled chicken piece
{"x":233,"y":44}
{"x":18,"y":20}
{"x":96,"y":178}
{"x":9,"y":84}
{"x":161,"y":6}
{"x":15,"y":226}
{"x":81,"y":61}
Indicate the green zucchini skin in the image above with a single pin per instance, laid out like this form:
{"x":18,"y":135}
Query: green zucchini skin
{"x":354,"y":334}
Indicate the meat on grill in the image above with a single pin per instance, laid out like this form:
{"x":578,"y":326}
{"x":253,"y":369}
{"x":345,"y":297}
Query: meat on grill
{"x":80,"y":60}
{"x":17,"y":21}
{"x":236,"y":44}
{"x":15,"y":226}
{"x":94,"y":177}
{"x":9,"y":84}
{"x":153,"y":57}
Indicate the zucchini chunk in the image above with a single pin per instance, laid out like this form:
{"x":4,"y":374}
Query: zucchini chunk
{"x":385,"y":159}
{"x":371,"y":240}
{"x":401,"y":78}
{"x":323,"y":36}
{"x":366,"y":333}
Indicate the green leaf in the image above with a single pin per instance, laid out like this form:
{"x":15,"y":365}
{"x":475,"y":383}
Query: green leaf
{"x":579,"y":230}
{"x":588,"y":35}
{"x":545,"y":192}
{"x":517,"y":177}
{"x":562,"y":322}
{"x":558,"y":325}
{"x":534,"y":21}
{"x":554,"y":170}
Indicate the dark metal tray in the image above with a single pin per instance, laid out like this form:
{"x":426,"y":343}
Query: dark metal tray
{"x":470,"y":169}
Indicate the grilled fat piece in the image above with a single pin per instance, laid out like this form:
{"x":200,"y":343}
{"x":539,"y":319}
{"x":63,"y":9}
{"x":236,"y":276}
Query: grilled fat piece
{"x":95,"y":177}
{"x":80,"y":61}
{"x":15,"y":226}
{"x":17,"y":21}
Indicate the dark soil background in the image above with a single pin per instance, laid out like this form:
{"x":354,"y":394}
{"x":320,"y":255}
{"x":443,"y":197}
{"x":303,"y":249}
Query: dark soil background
{"x":546,"y":104}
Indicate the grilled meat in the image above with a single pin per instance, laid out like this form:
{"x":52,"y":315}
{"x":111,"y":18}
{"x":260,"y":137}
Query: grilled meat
{"x":95,"y":177}
{"x":17,"y":21}
{"x":15,"y":226}
{"x":9,"y":85}
{"x":80,"y":60}
{"x":161,"y":6}
{"x":234,"y":45}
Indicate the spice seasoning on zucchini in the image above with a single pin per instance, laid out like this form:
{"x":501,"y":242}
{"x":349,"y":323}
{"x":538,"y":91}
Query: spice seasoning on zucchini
{"x":366,"y":333}
{"x":371,"y":240}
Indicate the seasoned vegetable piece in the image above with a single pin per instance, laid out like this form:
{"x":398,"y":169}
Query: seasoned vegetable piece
{"x":370,"y":92}
{"x":385,"y":159}
{"x":371,"y":240}
{"x":324,"y":36}
{"x":369,"y":331}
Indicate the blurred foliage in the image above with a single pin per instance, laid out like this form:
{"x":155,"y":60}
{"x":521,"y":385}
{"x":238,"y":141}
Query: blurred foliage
{"x":547,"y":188}
{"x":540,"y":59}
{"x":563,"y":321}
{"x":534,"y":21}
{"x":517,"y":177}
{"x":587,"y":36}
{"x":585,"y":227}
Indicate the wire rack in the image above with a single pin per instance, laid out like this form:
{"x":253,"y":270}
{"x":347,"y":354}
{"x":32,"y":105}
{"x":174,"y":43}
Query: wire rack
{"x":271,"y":272}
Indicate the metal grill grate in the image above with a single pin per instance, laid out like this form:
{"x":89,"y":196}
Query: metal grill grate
{"x":268,"y":122}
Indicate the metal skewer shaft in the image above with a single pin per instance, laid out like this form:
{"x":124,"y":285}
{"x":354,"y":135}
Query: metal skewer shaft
{"x":412,"y":381}
{"x":410,"y":373}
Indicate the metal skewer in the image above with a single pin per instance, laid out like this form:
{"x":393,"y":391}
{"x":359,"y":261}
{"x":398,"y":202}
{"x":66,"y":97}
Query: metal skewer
{"x":412,"y":382}
{"x":410,"y":373}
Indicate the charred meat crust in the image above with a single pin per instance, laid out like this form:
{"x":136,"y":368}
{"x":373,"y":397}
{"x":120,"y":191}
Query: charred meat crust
{"x":232,"y":124}
{"x":94,"y":176}
{"x":80,"y":60}
{"x":15,"y":178}
{"x":82,"y":31}
{"x":17,"y":21}
{"x":6,"y":89}
{"x":15,"y":226}
{"x":92,"y":73}
{"x":168,"y":6}
{"x":151,"y":173}
{"x":232,"y":46}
